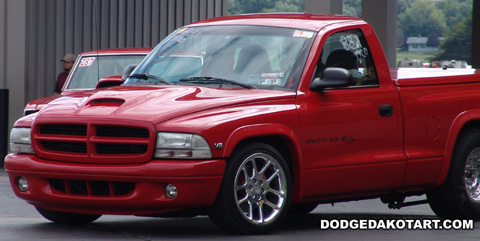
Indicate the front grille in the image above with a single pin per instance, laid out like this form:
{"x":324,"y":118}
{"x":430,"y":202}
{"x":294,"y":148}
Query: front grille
{"x":75,"y":130}
{"x":74,"y":147}
{"x":91,"y":143}
{"x":122,"y":131}
{"x":121,"y":149}
{"x":92,"y":188}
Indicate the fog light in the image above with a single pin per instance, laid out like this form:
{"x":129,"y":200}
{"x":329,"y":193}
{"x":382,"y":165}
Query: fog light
{"x":171,"y":191}
{"x":22,"y":184}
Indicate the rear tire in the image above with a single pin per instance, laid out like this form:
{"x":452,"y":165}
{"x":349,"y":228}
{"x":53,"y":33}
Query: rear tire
{"x":255,"y":192}
{"x":66,"y":217}
{"x":459,"y":196}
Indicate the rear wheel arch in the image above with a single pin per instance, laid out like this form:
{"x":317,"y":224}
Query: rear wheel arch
{"x":464,"y":123}
{"x":458,"y":196}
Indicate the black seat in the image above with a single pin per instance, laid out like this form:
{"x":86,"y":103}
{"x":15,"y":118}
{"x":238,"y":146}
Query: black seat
{"x":253,"y":59}
{"x":342,"y":58}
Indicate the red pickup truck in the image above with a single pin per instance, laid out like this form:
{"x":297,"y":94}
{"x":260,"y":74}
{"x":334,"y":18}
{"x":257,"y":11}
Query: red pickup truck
{"x":247,"y":118}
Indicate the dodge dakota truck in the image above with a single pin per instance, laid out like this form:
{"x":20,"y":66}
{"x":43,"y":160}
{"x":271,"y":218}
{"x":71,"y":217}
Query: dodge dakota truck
{"x":249,"y":118}
{"x":85,"y":73}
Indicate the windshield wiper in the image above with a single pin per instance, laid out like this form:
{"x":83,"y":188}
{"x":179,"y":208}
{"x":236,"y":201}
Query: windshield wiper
{"x":149,"y":76}
{"x":209,"y":80}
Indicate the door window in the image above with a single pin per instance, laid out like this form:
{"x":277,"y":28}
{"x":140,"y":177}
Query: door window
{"x":349,"y":50}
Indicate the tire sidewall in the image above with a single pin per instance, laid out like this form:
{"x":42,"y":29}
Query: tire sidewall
{"x":468,"y":207}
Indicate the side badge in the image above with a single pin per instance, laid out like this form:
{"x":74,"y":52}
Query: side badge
{"x":218,"y":146}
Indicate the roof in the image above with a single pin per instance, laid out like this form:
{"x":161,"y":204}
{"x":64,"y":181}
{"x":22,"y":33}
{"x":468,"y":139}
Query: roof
{"x":291,"y":20}
{"x":118,"y":51}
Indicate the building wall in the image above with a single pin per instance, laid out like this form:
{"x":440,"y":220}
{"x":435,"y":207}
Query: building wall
{"x":421,"y":48}
{"x":35,"y":35}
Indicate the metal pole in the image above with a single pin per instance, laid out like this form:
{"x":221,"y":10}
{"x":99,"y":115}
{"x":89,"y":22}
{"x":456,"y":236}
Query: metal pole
{"x":476,"y":35}
{"x":3,"y":125}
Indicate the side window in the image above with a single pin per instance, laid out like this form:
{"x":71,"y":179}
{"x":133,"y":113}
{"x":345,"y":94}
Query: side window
{"x":349,"y":50}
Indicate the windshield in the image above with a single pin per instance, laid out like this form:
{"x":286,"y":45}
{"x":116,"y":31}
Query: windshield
{"x":86,"y":75}
{"x":233,"y":56}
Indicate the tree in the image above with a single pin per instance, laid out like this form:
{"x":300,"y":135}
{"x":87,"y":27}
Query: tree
{"x":248,"y":6}
{"x":403,"y":5}
{"x":433,"y":40}
{"x":422,"y":18}
{"x":263,"y":6}
{"x":286,"y":6}
{"x":455,"y":11}
{"x":352,"y":8}
{"x":458,"y":43}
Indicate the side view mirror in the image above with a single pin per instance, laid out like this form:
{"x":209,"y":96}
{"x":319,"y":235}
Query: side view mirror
{"x":107,"y":81}
{"x":128,"y":70}
{"x":332,"y":77}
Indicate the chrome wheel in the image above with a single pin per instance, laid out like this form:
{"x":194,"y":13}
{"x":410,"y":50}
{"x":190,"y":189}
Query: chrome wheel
{"x":260,"y":188}
{"x":472,"y":174}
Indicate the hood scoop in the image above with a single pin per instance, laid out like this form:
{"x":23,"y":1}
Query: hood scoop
{"x":106,"y":102}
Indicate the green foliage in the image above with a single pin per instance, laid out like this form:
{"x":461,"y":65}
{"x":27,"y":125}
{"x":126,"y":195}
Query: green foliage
{"x":265,"y":6}
{"x":433,"y":40}
{"x":455,"y":11}
{"x":458,"y":43}
{"x":284,"y":7}
{"x":352,"y":8}
{"x":403,"y":5}
{"x":422,"y":18}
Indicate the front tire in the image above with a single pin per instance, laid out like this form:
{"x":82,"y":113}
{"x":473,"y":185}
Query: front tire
{"x":66,"y":217}
{"x":302,"y":208}
{"x":459,"y":196}
{"x":255,"y":193}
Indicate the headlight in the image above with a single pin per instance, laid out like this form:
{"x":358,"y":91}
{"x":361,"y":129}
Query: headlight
{"x":181,"y":146}
{"x":20,"y":141}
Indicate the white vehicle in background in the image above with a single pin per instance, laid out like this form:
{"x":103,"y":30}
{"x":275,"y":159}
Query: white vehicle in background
{"x":89,"y":68}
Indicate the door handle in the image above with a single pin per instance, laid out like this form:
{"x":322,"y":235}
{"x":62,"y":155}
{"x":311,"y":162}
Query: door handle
{"x":385,"y":110}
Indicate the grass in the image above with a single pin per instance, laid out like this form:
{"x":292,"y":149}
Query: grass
{"x":422,"y":56}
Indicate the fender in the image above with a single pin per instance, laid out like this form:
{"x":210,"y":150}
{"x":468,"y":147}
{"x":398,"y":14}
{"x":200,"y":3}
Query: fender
{"x":272,"y":129}
{"x":458,"y":124}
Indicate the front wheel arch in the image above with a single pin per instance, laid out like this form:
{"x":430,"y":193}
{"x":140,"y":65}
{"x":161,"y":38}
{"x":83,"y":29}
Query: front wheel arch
{"x":290,"y":151}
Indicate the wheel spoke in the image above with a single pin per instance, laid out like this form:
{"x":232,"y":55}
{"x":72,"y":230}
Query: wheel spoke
{"x":272,"y":205}
{"x":254,"y":168}
{"x":274,"y":175}
{"x":277,"y":192}
{"x":250,"y":211}
{"x":244,"y":199}
{"x":265,"y":167}
{"x":260,"y":213}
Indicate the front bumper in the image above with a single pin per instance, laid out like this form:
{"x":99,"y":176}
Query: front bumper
{"x":136,"y":189}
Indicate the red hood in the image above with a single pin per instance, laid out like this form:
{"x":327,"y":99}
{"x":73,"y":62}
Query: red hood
{"x":38,"y":104}
{"x":151,"y":104}
{"x":44,"y":100}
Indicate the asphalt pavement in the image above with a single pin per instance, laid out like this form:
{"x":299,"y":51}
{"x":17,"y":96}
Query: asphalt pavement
{"x":20,"y":221}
